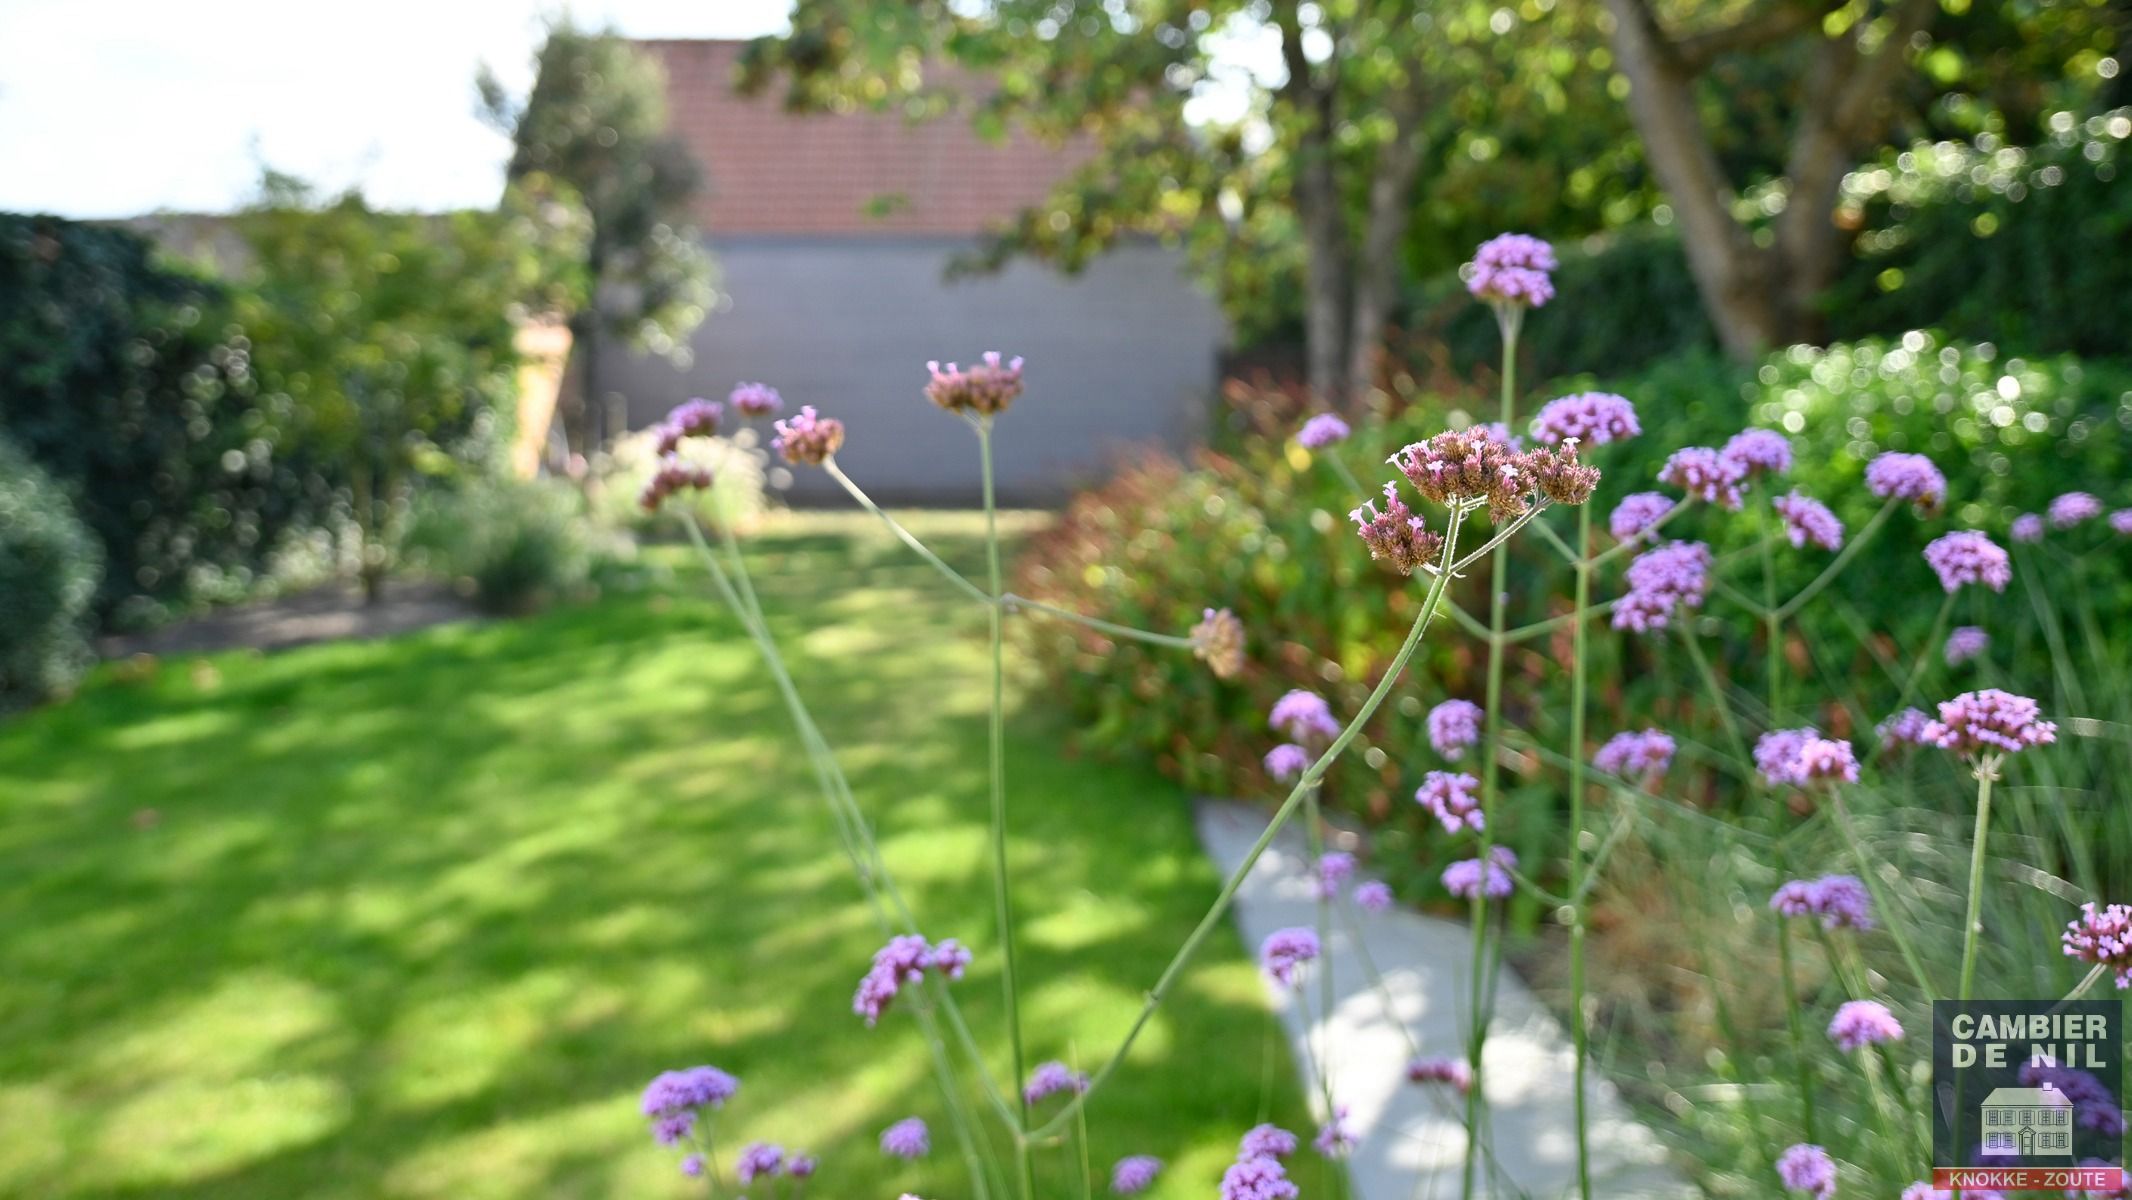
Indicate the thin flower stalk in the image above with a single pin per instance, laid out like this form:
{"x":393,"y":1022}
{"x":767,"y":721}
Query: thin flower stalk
{"x":1850,"y":550}
{"x":1795,"y":1022}
{"x":1987,"y":770}
{"x":1302,"y":786}
{"x":1892,"y":919}
{"x":1580,"y":1033}
{"x":904,"y":535}
{"x":1013,"y":603}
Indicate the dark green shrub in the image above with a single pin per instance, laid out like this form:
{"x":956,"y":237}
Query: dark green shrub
{"x":117,"y":375}
{"x":49,"y":569}
{"x":513,"y":547}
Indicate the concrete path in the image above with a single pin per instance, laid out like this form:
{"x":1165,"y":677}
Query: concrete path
{"x":1413,"y":1144}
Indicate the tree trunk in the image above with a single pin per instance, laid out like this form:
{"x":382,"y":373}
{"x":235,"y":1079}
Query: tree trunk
{"x":1328,"y":290}
{"x":579,"y":403}
{"x":1731,"y":273}
{"x":1391,"y":207}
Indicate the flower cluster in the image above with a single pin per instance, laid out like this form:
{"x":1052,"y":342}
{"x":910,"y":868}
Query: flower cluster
{"x":1396,"y":535}
{"x":1636,"y":754}
{"x":759,"y":1160}
{"x":1373,"y":896}
{"x":1473,"y":466}
{"x":1637,"y":512}
{"x":2072,"y":508}
{"x":1841,"y":901}
{"x":1860,"y":1023}
{"x":1967,"y":556}
{"x":1662,"y":580}
{"x":1335,"y":1137}
{"x":1588,"y":418}
{"x":1912,"y":477}
{"x":2028,"y":527}
{"x":1453,"y":726}
{"x":1802,"y":757}
{"x":1452,"y":799}
{"x":1965,"y":643}
{"x":1334,"y":869}
{"x":2103,"y":937}
{"x":1257,"y":1173}
{"x":984,"y":389}
{"x":1321,"y":431}
{"x":907,"y":1138}
{"x":1286,"y":761}
{"x":1218,"y":641}
{"x":1906,"y":728}
{"x":808,"y":439}
{"x":1453,"y":1071}
{"x":1303,"y":717}
{"x":1284,"y":952}
{"x":673,"y":475}
{"x":1808,"y":520}
{"x":1134,"y":1174}
{"x":1466,"y":880}
{"x":755,"y":399}
{"x":675,"y":1100}
{"x":903,"y":962}
{"x":1706,"y":475}
{"x":1051,"y":1078}
{"x":1266,"y":1141}
{"x":1512,"y":270}
{"x":696,"y":418}
{"x":1754,"y":452}
{"x":2121,"y":521}
{"x":1989,"y":722}
{"x":1808,"y":1168}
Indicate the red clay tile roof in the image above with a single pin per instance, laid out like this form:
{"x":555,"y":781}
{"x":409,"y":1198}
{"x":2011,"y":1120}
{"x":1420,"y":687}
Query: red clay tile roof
{"x":769,"y":171}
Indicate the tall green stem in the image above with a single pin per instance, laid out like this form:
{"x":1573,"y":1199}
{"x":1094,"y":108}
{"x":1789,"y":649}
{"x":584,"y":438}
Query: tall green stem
{"x":1793,"y":1019}
{"x":1002,"y":900}
{"x":1309,"y":780}
{"x":1972,"y":925}
{"x":1509,"y":319}
{"x":1578,"y":677}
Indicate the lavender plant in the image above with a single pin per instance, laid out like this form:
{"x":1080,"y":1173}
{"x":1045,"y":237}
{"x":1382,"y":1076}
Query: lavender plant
{"x":1771,"y":755}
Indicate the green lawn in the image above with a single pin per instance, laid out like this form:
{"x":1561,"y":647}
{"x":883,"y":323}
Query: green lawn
{"x":419,"y":918}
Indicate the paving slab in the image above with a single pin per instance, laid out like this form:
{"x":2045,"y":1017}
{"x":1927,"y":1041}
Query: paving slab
{"x":1413,"y":1140}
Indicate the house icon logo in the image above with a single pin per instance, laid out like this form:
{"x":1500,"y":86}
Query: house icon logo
{"x":2032,"y":1122}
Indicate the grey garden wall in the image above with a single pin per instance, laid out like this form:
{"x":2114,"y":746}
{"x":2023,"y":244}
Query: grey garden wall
{"x":1123,"y":353}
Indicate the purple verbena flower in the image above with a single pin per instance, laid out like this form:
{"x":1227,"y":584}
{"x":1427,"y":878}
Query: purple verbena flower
{"x":1266,"y":1141}
{"x":673,"y":1128}
{"x":1373,"y":897}
{"x":1965,"y":643}
{"x":1636,"y":513}
{"x":903,"y":963}
{"x":951,"y":958}
{"x":2028,"y":527}
{"x":1823,"y":759}
{"x":1776,"y":755}
{"x":693,"y":418}
{"x":1591,"y":418}
{"x":1257,"y":1179}
{"x":1661,"y":581}
{"x":1396,"y":535}
{"x":1808,"y":520}
{"x":1284,"y":952}
{"x":809,"y":438}
{"x":1841,"y":901}
{"x":1706,"y":475}
{"x":1861,"y":1023}
{"x":2094,"y":1105}
{"x":1912,"y":477}
{"x":1321,"y":431}
{"x":1452,"y":1071}
{"x":1967,"y":556}
{"x":1453,"y":799}
{"x":985,"y":388}
{"x":696,"y":1087}
{"x":760,"y":1160}
{"x":755,"y":399}
{"x":1052,"y":1078}
{"x":1303,"y":716}
{"x":673,"y":474}
{"x":1453,"y":726}
{"x":1636,"y":754}
{"x":1989,"y":722}
{"x":1906,"y":728}
{"x":1287,"y":761}
{"x":1511,"y":270}
{"x":2121,"y":521}
{"x":1133,"y":1174}
{"x":1465,"y":879}
{"x":2072,"y":508}
{"x":907,"y":1138}
{"x":1808,"y":1168}
{"x":2103,"y":937}
{"x":1754,"y":452}
{"x":1335,"y":1138}
{"x":693,"y":1166}
{"x":802,"y":1166}
{"x":1334,"y":869}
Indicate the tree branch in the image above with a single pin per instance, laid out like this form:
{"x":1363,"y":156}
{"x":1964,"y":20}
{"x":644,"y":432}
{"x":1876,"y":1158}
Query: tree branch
{"x":1765,"y":27}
